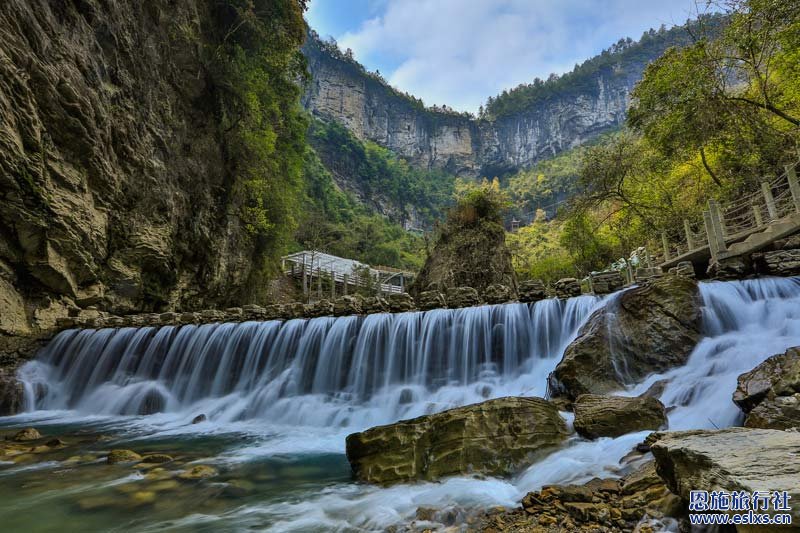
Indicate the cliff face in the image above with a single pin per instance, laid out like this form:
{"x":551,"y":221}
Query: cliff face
{"x":342,"y":90}
{"x":112,"y":173}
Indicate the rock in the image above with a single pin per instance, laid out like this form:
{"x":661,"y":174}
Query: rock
{"x":462,"y":297}
{"x":255,"y":312}
{"x":734,"y":459}
{"x":168,"y":318}
{"x":348,"y":305}
{"x":143,"y":497}
{"x":647,"y":329}
{"x":199,"y":418}
{"x":374,"y":304}
{"x":55,"y":443}
{"x":782,"y":412}
{"x":320,"y":308}
{"x":495,"y":437}
{"x":295,"y":310}
{"x":729,"y":268}
{"x":270,"y":312}
{"x":123,"y":456}
{"x":497,"y":294}
{"x":788,"y":243}
{"x":769,"y":393}
{"x":686,"y":269}
{"x":567,"y":287}
{"x":157,"y":458}
{"x":612,"y":416}
{"x":198,"y":472}
{"x":600,"y":505}
{"x":532,"y":290}
{"x":26,"y":434}
{"x":470,"y":251}
{"x":428,"y":300}
{"x":401,"y":303}
{"x":189,"y":318}
{"x":780,"y":262}
{"x":212,"y":315}
{"x":12,"y":392}
{"x":607,"y":282}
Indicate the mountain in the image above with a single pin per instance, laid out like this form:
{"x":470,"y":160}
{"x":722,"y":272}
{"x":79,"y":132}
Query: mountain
{"x":520,"y":127}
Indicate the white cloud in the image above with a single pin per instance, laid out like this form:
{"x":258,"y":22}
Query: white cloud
{"x":459,"y":52}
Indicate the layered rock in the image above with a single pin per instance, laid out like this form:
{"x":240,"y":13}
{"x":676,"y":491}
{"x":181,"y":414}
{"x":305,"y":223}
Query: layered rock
{"x":567,"y":288}
{"x":532,"y":290}
{"x":427,"y":300}
{"x":342,"y":90}
{"x":607,"y":282}
{"x":770,"y":393}
{"x":114,"y":172}
{"x":646,"y":329}
{"x":462,"y":297}
{"x":467,"y":253}
{"x":611,"y":416}
{"x":612,"y":505}
{"x":497,"y":294}
{"x":495,"y":437}
{"x":734,"y":459}
{"x":779,"y":262}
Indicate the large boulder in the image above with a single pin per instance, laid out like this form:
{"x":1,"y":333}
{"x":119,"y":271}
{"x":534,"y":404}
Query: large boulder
{"x":612,"y":416}
{"x":734,"y":459}
{"x":470,"y":251}
{"x":495,"y":437}
{"x":770,"y":393}
{"x":647,"y":329}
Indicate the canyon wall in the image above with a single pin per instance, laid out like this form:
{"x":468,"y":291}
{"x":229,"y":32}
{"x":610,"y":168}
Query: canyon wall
{"x":113,"y":174}
{"x":343,"y":90}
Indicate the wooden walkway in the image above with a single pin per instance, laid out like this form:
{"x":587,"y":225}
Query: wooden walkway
{"x":742,"y":227}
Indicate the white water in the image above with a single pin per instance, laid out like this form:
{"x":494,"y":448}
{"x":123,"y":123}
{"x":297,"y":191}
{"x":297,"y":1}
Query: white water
{"x":302,"y":386}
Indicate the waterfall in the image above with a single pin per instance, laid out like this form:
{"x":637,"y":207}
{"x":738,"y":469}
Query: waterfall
{"x":336,"y":372}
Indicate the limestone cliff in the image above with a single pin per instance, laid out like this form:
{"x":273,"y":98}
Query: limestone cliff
{"x":113,"y":173}
{"x":591,"y":100}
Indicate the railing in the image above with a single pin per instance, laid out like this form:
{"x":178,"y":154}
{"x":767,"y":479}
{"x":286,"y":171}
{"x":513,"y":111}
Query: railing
{"x":777,"y":199}
{"x":310,"y":274}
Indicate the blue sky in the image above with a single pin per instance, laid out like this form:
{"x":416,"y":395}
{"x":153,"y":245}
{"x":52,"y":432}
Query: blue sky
{"x":459,"y":52}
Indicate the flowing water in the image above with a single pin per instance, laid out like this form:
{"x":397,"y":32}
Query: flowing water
{"x":280,"y":399}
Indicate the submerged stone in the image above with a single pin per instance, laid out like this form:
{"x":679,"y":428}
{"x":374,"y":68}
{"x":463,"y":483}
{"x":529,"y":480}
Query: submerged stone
{"x":123,"y":456}
{"x":198,"y":472}
{"x":157,"y":458}
{"x":26,"y":435}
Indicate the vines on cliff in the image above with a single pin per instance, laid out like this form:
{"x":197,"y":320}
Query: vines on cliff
{"x":255,"y":63}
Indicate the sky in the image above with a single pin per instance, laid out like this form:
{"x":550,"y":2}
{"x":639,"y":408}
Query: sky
{"x":459,"y":52}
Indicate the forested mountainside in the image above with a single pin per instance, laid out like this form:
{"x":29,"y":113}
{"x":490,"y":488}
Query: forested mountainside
{"x":150,"y":158}
{"x":517,"y":128}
